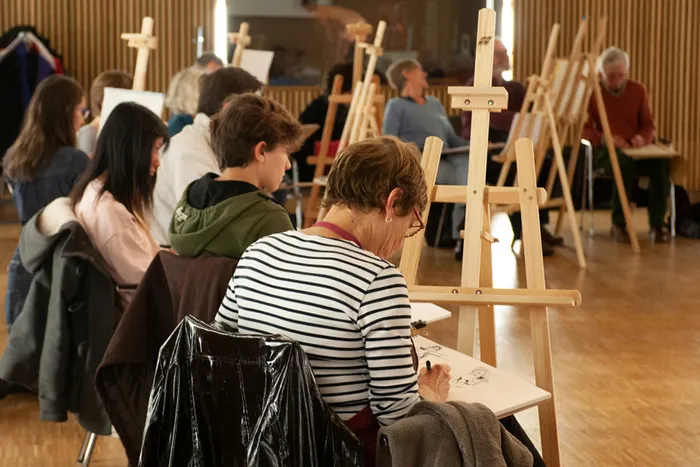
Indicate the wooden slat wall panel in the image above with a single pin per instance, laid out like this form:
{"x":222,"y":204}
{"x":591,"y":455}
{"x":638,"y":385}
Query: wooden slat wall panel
{"x":86,"y":33}
{"x":661,"y":37}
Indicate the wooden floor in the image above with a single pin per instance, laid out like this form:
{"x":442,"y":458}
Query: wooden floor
{"x":626,"y":364}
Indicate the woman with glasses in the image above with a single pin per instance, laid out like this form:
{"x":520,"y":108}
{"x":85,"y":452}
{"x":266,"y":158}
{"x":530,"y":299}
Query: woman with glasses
{"x":43,"y":164}
{"x":332,"y":288}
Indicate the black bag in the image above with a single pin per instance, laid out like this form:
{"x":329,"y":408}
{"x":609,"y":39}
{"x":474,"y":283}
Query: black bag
{"x":225,"y":399}
{"x":687,"y":215}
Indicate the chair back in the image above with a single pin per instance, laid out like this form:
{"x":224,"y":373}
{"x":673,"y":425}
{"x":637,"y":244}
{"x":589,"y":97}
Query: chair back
{"x":222,"y":398}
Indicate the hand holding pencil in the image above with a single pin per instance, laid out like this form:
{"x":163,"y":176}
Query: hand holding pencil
{"x":434,"y":382}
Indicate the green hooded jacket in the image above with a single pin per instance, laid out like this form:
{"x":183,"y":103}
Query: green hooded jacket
{"x":227,"y":228}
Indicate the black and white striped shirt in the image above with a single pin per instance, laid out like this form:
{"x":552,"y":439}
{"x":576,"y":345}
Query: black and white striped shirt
{"x":347,"y":308}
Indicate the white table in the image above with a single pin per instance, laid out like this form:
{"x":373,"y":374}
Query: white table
{"x":475,"y":381}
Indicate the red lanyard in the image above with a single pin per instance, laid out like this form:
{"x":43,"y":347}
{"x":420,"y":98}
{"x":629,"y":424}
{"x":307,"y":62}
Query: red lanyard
{"x":339,"y":231}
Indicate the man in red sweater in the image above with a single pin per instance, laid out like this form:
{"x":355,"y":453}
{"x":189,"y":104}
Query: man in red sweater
{"x":631,"y":125}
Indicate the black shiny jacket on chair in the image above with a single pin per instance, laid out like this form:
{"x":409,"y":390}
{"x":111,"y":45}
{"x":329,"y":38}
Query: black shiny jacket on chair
{"x":224,"y":399}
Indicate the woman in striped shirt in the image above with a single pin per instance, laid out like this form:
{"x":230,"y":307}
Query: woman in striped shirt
{"x":331,"y":288}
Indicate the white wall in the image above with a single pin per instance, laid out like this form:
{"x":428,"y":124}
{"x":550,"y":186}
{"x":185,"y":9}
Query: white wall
{"x":270,"y":8}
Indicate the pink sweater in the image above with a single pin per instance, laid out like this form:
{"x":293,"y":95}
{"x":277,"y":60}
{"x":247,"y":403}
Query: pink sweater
{"x":125,"y":245}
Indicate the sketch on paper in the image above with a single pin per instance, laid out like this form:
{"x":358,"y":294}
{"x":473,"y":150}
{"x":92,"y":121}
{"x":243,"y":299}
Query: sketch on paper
{"x":430,"y":351}
{"x":478,"y":375}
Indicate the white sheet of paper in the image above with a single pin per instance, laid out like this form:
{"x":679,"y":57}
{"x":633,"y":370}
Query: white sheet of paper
{"x":258,"y":63}
{"x":153,"y":101}
{"x":475,"y":381}
{"x":428,"y":312}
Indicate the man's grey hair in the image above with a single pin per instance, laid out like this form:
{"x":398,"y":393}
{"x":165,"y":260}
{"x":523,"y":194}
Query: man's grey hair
{"x":613,"y":55}
{"x":396,"y":70}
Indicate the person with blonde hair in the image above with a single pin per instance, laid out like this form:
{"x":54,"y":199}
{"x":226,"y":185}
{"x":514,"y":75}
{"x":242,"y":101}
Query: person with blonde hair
{"x":182,"y":98}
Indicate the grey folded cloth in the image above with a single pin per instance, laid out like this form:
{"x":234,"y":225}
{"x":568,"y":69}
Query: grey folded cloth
{"x":451,"y":434}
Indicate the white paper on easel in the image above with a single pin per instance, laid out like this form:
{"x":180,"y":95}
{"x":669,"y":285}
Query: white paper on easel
{"x":258,"y":63}
{"x":153,"y":101}
{"x":579,"y":93}
{"x":428,"y":312}
{"x":475,"y":381}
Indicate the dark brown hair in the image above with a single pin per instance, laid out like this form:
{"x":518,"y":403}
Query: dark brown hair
{"x":123,"y":155}
{"x":247,"y":120}
{"x":107,"y":79}
{"x":48,"y":125}
{"x":216,"y":87}
{"x":365,"y":173}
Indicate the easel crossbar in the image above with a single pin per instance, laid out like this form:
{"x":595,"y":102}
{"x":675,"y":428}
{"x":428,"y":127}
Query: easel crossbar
{"x":493,"y":195}
{"x":491,"y":296}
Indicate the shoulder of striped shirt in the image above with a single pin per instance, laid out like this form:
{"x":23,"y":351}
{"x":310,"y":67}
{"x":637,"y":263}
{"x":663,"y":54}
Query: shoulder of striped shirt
{"x":317,"y":240}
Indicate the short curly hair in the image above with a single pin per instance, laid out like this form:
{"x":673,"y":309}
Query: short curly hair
{"x":365,"y":173}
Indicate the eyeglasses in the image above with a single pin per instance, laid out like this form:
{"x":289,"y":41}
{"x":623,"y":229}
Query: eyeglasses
{"x":415,"y":227}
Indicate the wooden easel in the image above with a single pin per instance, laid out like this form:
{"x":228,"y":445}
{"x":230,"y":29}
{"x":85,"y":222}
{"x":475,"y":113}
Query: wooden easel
{"x":144,"y":42}
{"x":360,"y":31}
{"x":537,"y":101}
{"x":362,"y":106}
{"x":322,"y":160}
{"x":242,"y":40}
{"x":582,"y":74}
{"x":363,"y":114}
{"x":475,"y":294}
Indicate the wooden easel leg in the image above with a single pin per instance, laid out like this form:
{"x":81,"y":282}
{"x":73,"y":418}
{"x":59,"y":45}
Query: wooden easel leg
{"x":542,"y":354}
{"x":565,"y":188}
{"x":487,"y":322}
{"x":466,"y":330}
{"x":410,"y":256}
{"x":534,"y":271}
{"x":573,"y":162}
{"x":311,"y":205}
{"x":614,"y":163}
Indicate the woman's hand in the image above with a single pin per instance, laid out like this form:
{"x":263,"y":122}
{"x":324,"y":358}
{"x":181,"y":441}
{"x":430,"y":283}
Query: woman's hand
{"x":434,"y":385}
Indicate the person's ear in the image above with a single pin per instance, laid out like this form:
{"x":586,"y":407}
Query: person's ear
{"x":395,"y":195}
{"x":259,"y":152}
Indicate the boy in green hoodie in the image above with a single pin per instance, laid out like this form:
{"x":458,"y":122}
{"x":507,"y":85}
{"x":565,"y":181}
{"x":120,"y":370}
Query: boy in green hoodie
{"x":252,"y":137}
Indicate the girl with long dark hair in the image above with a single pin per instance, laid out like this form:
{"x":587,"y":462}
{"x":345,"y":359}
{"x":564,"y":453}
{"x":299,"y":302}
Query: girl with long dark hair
{"x":43,"y":164}
{"x":113,"y":198}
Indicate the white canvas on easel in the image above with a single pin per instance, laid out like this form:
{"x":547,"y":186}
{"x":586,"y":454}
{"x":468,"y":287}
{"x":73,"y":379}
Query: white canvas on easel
{"x":258,"y":63}
{"x":153,"y":101}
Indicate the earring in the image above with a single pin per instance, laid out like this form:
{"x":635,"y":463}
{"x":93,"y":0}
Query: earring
{"x":388,"y":219}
